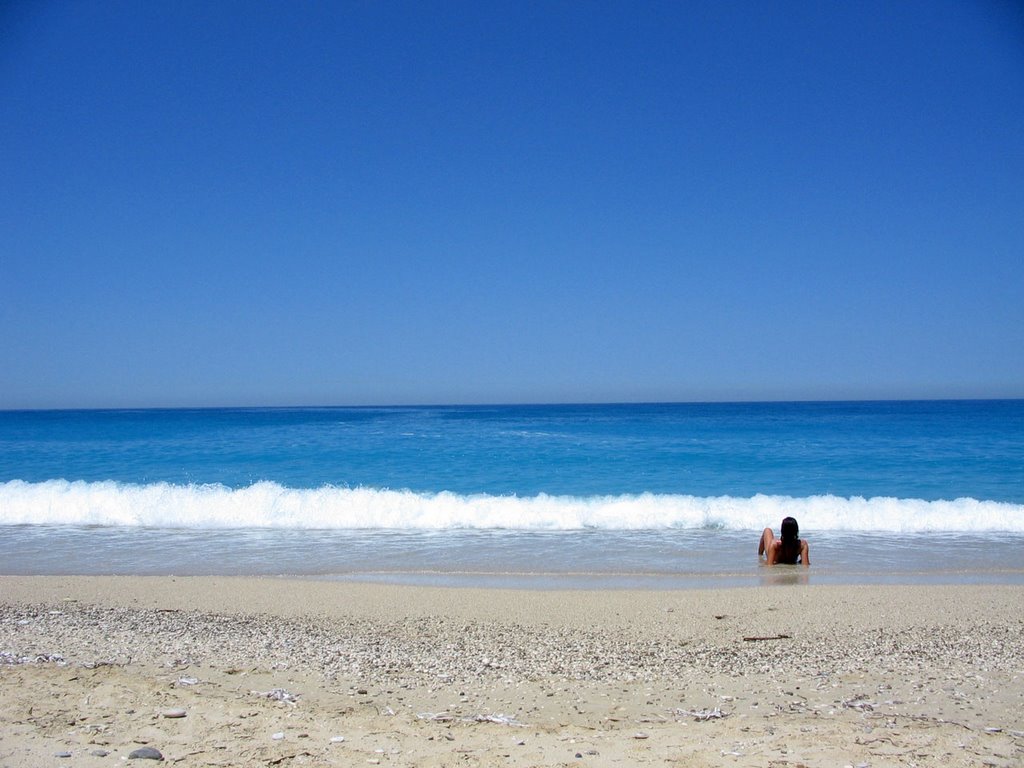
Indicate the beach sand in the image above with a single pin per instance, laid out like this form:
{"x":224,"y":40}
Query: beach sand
{"x":276,"y":672}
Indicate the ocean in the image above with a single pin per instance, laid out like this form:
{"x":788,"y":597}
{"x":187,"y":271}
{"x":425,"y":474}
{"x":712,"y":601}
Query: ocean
{"x":539,"y":496}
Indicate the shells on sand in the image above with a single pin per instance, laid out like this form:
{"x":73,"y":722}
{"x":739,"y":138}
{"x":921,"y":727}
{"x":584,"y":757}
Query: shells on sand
{"x":701,"y":714}
{"x":277,"y":694}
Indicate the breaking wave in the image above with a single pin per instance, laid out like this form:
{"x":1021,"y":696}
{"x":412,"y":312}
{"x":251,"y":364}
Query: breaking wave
{"x":270,"y":505}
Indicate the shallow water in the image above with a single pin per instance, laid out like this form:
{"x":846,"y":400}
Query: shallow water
{"x":549,"y":559}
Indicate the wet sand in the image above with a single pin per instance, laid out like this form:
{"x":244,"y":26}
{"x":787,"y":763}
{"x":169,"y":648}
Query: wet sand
{"x":288,"y":672}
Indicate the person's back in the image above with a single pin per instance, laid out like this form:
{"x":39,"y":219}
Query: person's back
{"x":790,"y":549}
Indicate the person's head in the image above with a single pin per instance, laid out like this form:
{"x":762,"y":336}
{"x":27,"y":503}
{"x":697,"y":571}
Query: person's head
{"x":790,"y":529}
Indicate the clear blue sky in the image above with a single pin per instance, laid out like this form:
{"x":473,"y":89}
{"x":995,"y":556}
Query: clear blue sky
{"x":287,"y":203}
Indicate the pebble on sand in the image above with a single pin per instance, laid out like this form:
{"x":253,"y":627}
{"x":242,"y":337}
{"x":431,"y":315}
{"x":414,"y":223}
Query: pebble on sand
{"x":145,"y":753}
{"x":174,"y":713}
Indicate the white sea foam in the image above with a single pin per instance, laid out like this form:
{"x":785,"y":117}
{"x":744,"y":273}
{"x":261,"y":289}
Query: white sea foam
{"x":269,"y":505}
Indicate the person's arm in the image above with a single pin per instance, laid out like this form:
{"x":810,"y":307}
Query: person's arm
{"x":773,"y":551}
{"x":805,"y":553}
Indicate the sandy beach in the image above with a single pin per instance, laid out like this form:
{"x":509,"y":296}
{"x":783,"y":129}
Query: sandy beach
{"x":247,"y":671}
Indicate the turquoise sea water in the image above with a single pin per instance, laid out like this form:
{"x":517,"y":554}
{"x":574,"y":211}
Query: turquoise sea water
{"x":666,"y":494}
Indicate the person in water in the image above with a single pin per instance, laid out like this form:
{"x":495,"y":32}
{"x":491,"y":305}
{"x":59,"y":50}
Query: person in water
{"x":789,"y":549}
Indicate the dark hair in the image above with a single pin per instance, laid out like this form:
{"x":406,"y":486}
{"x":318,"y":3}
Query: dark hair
{"x":790,"y":529}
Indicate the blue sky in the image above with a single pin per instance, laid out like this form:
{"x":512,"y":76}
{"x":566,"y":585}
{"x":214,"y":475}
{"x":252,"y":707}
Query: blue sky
{"x":287,"y":203}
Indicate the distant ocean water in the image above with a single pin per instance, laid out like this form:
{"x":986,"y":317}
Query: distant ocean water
{"x":603,"y":495}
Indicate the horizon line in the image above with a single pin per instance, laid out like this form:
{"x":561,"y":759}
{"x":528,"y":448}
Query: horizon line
{"x":524,"y":404}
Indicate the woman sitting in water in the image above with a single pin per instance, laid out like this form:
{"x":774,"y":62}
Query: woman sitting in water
{"x":789,"y":549}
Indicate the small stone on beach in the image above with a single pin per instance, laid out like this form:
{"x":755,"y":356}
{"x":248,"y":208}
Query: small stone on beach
{"x":145,"y":753}
{"x":174,"y":713}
